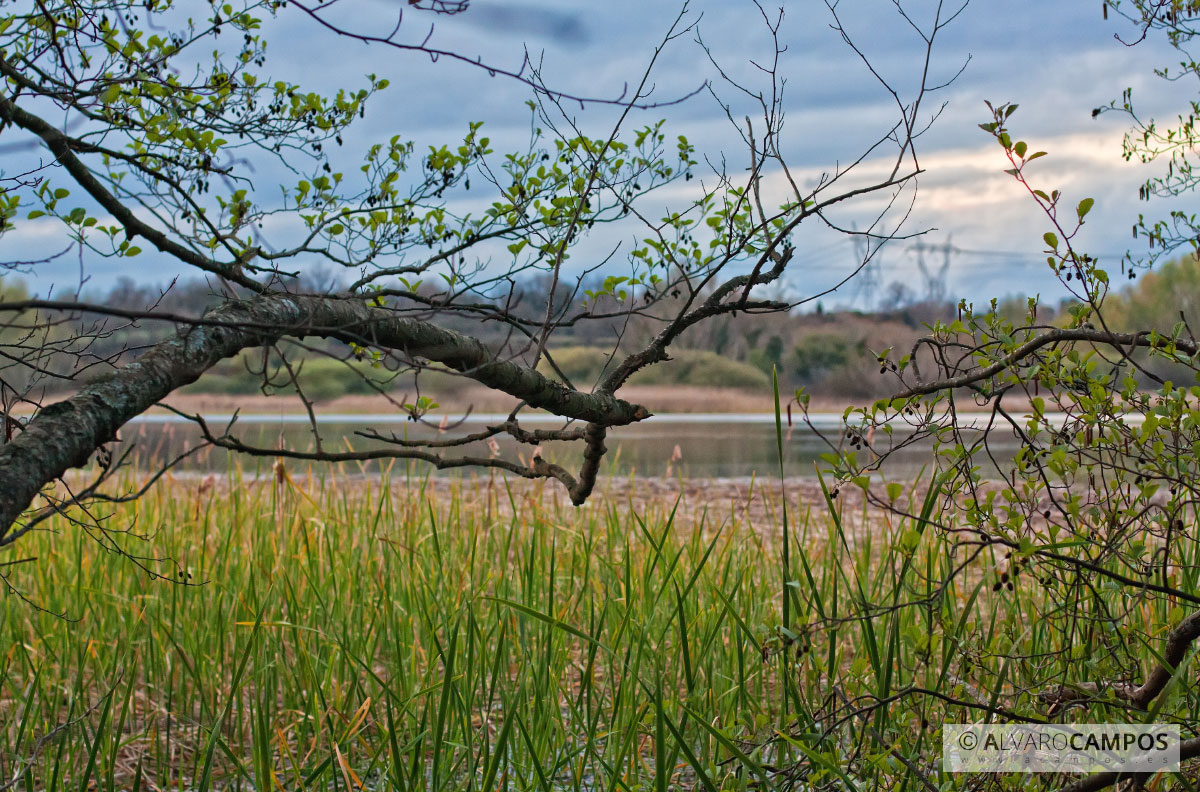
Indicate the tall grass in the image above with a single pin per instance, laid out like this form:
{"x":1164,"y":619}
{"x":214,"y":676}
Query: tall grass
{"x":386,"y":636}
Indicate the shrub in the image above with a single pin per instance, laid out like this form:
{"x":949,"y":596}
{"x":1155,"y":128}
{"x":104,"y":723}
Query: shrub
{"x":322,"y":378}
{"x":700,"y":367}
{"x":818,"y":354}
{"x":583,"y":365}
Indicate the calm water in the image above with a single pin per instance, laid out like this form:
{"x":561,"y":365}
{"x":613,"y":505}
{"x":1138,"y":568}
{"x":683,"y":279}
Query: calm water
{"x":709,"y":446}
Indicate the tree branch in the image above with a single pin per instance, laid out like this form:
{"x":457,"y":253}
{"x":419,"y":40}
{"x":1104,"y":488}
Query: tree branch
{"x":1178,"y":641}
{"x":63,"y":148}
{"x":65,"y":434}
{"x":1140,"y":339}
{"x":1188,"y":749}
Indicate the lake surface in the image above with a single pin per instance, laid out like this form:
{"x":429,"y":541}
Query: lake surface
{"x":692,"y":445}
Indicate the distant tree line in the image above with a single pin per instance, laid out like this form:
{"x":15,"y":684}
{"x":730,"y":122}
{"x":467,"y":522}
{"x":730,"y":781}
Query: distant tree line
{"x":830,"y":353}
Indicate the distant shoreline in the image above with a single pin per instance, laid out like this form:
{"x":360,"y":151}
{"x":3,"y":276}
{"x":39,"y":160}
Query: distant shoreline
{"x":659,"y":399}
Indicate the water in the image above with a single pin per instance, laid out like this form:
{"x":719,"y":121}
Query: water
{"x":692,"y":445}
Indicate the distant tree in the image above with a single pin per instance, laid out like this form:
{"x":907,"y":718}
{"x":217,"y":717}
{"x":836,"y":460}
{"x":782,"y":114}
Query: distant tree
{"x":1170,"y":292}
{"x":896,"y":296}
{"x":16,"y":339}
{"x":770,"y":357}
{"x":819,"y":354}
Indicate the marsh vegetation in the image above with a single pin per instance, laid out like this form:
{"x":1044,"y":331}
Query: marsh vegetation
{"x":410,"y":634}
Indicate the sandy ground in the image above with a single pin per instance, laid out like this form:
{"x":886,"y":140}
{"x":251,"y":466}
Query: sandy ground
{"x":659,"y":399}
{"x":721,"y":501}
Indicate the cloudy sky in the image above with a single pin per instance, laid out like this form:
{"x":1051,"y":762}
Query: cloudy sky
{"x":1057,"y":60}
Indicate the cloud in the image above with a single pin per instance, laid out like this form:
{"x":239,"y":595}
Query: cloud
{"x":533,"y":24}
{"x":1057,"y":66}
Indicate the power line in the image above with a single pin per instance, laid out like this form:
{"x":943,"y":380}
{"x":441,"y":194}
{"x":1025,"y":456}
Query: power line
{"x":1023,"y":254}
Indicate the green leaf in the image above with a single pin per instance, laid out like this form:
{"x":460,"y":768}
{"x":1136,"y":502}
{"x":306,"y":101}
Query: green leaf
{"x":550,"y":620}
{"x":1084,"y":207}
{"x":1051,"y":240}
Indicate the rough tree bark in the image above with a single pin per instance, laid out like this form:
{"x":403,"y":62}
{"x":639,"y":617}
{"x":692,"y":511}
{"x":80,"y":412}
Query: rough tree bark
{"x":65,"y":434}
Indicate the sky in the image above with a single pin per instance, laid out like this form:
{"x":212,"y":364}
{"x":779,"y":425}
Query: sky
{"x":1057,"y":60}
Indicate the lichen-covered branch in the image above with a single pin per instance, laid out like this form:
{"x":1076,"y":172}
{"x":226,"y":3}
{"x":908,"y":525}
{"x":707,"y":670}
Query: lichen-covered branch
{"x":65,"y":434}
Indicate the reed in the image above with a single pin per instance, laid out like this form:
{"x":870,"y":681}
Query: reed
{"x":394,"y":635}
